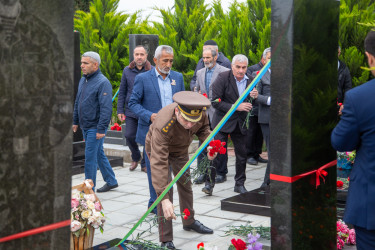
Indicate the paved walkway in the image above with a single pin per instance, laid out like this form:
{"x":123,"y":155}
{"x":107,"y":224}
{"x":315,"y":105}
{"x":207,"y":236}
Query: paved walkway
{"x":125,"y":205}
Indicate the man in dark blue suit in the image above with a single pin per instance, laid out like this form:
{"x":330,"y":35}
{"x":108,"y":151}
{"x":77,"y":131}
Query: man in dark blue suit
{"x":138,"y":66}
{"x":152,"y":91}
{"x":356,"y":131}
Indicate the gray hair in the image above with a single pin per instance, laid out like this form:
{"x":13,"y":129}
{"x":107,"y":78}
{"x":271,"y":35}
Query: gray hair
{"x":215,"y":47}
{"x":93,"y":55}
{"x":167,"y":49}
{"x":266,"y":51}
{"x":213,"y":51}
{"x":240,"y":58}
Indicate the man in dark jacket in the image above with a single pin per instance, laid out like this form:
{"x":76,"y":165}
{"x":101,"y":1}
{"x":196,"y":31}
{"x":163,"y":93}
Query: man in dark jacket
{"x":345,"y":82}
{"x":139,"y":65}
{"x":221,"y":60}
{"x":254,"y":141}
{"x":93,"y":111}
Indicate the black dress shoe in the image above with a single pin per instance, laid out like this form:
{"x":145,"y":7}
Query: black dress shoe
{"x":261,"y":160}
{"x":200,"y":179}
{"x":240,"y":189}
{"x":168,"y":244}
{"x":220,"y":178}
{"x":208,"y":189}
{"x":252,"y":161}
{"x":106,"y":188}
{"x":264,"y":185}
{"x":199,"y":228}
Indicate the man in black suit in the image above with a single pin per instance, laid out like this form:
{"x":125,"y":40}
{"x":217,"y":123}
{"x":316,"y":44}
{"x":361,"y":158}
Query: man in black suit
{"x":263,"y":98}
{"x":229,"y":86}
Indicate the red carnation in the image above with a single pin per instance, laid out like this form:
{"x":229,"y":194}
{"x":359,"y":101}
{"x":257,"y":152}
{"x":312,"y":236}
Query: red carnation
{"x":205,"y":95}
{"x":118,"y":128}
{"x":217,"y":143}
{"x":258,"y":72}
{"x":223,"y":143}
{"x":219,"y":100}
{"x":222,"y":150}
{"x":113,"y":128}
{"x":200,"y":245}
{"x":239,"y":244}
{"x":185,"y":217}
{"x":339,"y":183}
{"x":187,"y":212}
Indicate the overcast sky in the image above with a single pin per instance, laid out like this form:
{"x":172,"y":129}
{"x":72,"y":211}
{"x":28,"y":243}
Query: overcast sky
{"x":130,"y":6}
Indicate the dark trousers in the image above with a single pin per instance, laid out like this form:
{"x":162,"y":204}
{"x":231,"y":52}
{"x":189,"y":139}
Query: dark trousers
{"x":254,"y":141}
{"x":239,"y":143}
{"x":365,"y":238}
{"x":130,"y":132}
{"x":151,"y":188}
{"x":185,"y":194}
{"x":266,"y":136}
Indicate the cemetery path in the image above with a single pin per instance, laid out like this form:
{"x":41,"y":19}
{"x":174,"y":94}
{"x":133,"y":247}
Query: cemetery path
{"x":125,"y":205}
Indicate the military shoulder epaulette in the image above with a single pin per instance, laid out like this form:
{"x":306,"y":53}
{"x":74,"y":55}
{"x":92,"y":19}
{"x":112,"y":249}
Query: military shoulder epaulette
{"x":168,"y":125}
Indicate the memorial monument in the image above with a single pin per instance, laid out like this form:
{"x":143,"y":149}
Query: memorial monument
{"x":304,"y":41}
{"x":36,"y":42}
{"x":150,"y":42}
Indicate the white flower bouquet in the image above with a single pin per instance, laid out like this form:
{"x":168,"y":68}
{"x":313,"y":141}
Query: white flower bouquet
{"x":86,"y":209}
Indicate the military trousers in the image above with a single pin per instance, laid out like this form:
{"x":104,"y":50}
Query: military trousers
{"x":185,"y":195}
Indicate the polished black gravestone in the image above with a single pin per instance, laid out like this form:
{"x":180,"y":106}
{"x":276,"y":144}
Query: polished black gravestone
{"x":257,"y":201}
{"x":304,"y":39}
{"x":36,"y":93}
{"x":150,"y":42}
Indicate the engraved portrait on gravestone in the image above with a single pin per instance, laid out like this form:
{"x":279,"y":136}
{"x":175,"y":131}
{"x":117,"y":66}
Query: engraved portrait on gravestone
{"x":146,"y":45}
{"x":35,"y":111}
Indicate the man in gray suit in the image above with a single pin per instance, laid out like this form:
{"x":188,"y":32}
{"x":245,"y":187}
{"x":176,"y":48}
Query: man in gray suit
{"x":205,"y":77}
{"x":263,"y":97}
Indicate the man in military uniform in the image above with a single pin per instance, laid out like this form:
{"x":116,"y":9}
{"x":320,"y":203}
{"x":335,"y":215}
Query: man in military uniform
{"x":167,"y":144}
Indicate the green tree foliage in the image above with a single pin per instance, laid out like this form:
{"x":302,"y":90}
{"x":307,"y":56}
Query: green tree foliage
{"x":352,"y":35}
{"x":83,"y":5}
{"x":246,"y":29}
{"x":106,"y":31}
{"x":185,"y":27}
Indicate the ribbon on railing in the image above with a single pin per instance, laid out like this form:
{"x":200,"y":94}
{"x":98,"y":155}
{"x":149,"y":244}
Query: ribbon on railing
{"x":319,"y":173}
{"x":202,"y":147}
{"x":37,"y":230}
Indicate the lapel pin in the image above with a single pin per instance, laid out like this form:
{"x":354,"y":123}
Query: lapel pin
{"x":173,"y":82}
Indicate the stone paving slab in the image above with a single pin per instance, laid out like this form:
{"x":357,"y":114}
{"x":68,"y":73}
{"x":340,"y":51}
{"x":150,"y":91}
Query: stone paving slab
{"x":125,"y":205}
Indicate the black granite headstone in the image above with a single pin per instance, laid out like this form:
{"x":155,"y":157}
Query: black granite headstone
{"x":36,"y":42}
{"x":150,"y":42}
{"x":304,"y":42}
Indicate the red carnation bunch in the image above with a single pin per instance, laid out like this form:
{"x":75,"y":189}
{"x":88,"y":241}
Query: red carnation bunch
{"x":339,"y":184}
{"x":116,"y":127}
{"x":217,"y":147}
{"x":205,"y":166}
{"x":187,"y":213}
